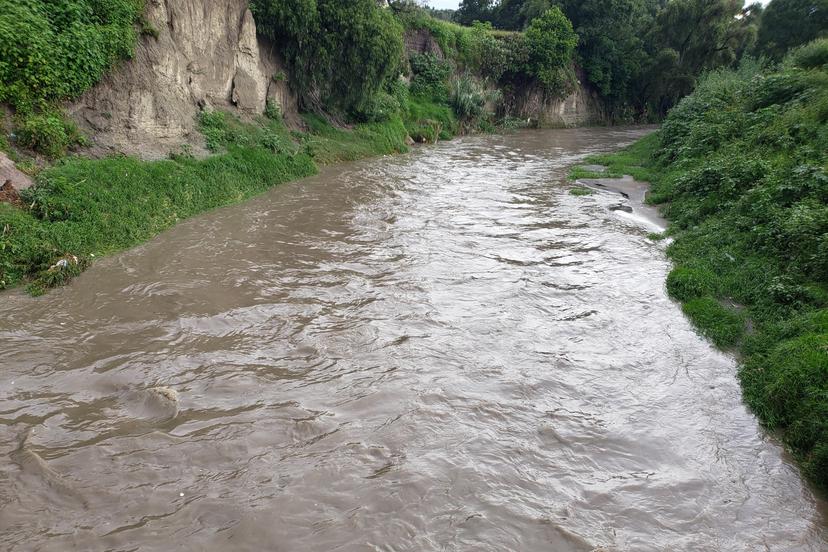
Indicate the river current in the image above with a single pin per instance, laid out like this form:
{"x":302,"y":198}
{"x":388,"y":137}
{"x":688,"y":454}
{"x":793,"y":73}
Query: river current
{"x":442,"y":350}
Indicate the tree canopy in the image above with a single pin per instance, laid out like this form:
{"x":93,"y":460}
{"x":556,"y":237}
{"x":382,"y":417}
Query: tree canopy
{"x":786,"y":24}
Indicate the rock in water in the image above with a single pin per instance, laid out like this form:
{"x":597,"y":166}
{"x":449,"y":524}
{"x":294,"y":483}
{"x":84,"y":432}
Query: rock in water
{"x":153,"y":404}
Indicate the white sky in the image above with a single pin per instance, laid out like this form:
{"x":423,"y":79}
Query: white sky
{"x":452,"y":4}
{"x":442,"y":4}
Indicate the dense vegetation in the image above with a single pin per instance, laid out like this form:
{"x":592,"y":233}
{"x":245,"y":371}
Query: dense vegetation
{"x":740,"y":166}
{"x":788,"y":23}
{"x":340,"y":54}
{"x":645,"y":55}
{"x":369,"y":41}
{"x":53,"y":50}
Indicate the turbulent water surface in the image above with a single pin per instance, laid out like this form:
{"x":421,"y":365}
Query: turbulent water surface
{"x":443,"y":350}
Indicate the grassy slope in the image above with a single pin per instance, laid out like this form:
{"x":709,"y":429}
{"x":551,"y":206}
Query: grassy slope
{"x":84,"y":207}
{"x":741,"y":169}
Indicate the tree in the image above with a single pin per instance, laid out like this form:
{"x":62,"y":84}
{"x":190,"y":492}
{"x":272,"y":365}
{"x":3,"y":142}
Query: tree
{"x":474,"y":10}
{"x":610,"y":47}
{"x":534,"y":8}
{"x":551,"y":42}
{"x":688,"y":37}
{"x":789,"y":23}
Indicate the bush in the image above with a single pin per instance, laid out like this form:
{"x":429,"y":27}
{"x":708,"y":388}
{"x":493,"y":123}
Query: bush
{"x":340,"y":54}
{"x":551,"y":42}
{"x":48,"y":133}
{"x":213,"y":126}
{"x":382,"y":108}
{"x":430,"y":76}
{"x":54,"y":50}
{"x":810,"y":56}
{"x":272,"y":110}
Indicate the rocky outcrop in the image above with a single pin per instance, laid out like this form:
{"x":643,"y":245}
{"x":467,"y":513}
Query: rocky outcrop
{"x":420,"y":41}
{"x":580,"y":107}
{"x":11,"y":175}
{"x":206,"y":55}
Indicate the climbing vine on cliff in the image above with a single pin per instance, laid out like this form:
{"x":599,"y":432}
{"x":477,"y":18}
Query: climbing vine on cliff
{"x":340,"y":54}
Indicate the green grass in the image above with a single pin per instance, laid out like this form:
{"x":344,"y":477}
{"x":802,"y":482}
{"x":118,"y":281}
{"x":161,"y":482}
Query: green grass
{"x":741,"y":167}
{"x":328,"y":144}
{"x":721,"y":324}
{"x":85,"y":207}
{"x":427,"y":120}
{"x":578,"y":172}
{"x":581,"y":191}
{"x":635,"y":160}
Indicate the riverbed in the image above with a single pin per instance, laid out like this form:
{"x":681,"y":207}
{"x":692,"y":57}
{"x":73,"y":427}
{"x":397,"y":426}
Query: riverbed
{"x":442,"y":350}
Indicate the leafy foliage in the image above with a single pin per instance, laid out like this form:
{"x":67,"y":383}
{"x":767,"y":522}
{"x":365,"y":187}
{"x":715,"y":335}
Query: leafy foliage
{"x":688,"y":37}
{"x":611,"y":48}
{"x":50,"y":133}
{"x":551,"y":42}
{"x":740,"y":165}
{"x":429,"y":76}
{"x":340,"y":54}
{"x":786,"y":24}
{"x":53,"y":50}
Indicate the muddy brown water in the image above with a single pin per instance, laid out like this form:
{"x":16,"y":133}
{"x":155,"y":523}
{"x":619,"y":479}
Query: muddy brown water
{"x":443,"y":350}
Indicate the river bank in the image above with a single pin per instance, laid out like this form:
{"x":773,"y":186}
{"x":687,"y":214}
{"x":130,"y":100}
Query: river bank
{"x":81,"y":209}
{"x":749,"y":226}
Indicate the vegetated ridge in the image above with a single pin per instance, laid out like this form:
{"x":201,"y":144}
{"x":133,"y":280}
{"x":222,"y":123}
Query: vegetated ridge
{"x":740,"y":169}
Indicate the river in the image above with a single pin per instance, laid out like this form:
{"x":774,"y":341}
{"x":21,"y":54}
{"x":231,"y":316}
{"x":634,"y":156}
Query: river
{"x":442,"y":350}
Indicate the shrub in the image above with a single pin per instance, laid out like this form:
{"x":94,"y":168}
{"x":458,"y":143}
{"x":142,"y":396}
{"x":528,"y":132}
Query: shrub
{"x":55,"y":49}
{"x":430,"y":76}
{"x":272,"y":110}
{"x":383,"y":107}
{"x":551,"y":42}
{"x":340,"y":54}
{"x":813,"y":55}
{"x":213,"y":126}
{"x":48,"y":133}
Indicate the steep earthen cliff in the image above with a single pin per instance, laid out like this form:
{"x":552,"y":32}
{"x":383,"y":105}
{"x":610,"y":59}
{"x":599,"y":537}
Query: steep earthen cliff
{"x":578,"y":108}
{"x":205,"y":55}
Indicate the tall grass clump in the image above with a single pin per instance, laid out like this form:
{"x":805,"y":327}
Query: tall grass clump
{"x":469,"y":99}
